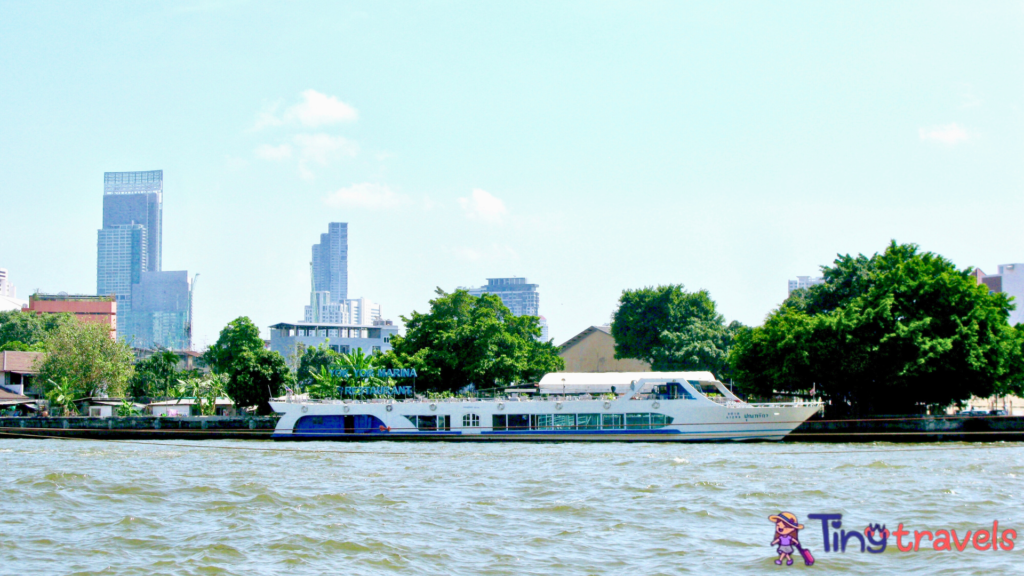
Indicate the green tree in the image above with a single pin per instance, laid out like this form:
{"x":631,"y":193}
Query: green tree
{"x":467,"y":340}
{"x":896,"y":333}
{"x":203,"y":390}
{"x":62,"y":395}
{"x":240,"y":335}
{"x":83,"y":354}
{"x":673,"y":329}
{"x":253,"y":374}
{"x":155,"y":376}
{"x":17,"y":346}
{"x":28,"y":330}
{"x":313,"y":359}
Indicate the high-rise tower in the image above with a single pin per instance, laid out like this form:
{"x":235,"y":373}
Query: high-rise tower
{"x":330,"y":262}
{"x":137,"y":198}
{"x":154,"y":307}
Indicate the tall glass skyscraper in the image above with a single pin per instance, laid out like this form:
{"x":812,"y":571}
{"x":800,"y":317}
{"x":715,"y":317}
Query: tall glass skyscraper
{"x":137,"y":198}
{"x":153,"y":307}
{"x":330,"y":262}
{"x":121,"y":257}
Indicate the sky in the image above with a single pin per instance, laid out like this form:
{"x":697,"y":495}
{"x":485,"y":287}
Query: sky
{"x":590,"y":147}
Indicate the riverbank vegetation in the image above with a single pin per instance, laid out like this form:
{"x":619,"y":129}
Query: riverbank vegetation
{"x":673,"y":330}
{"x":894,"y":333}
{"x":253,"y":375}
{"x":465,"y":340}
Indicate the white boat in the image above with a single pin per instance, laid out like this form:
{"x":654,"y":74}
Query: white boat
{"x":636,"y":406}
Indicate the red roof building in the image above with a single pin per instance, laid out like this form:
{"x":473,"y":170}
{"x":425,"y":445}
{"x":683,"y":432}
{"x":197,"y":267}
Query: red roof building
{"x":96,"y":309}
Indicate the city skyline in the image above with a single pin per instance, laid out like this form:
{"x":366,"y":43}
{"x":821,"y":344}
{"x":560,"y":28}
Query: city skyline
{"x":591,"y":148}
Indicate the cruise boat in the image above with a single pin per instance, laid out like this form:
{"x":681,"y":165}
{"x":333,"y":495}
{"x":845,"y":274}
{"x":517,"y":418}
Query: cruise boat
{"x":640,"y":406}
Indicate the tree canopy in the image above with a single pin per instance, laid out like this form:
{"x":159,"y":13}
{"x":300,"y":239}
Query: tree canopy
{"x":27,"y":331}
{"x":313,"y":360}
{"x":893,"y":333}
{"x":156,"y":376}
{"x":465,"y":340}
{"x":673,"y":329}
{"x":83,"y":356}
{"x":254,"y":375}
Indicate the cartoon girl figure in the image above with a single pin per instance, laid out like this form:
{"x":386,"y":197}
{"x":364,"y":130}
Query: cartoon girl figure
{"x":786,"y":530}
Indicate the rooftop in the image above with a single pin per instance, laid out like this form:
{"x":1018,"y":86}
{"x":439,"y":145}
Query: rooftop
{"x":19,"y":362}
{"x":64,"y":297}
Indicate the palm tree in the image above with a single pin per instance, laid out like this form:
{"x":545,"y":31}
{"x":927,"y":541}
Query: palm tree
{"x":204,"y":391}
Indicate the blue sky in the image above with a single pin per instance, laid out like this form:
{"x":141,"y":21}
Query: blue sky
{"x":588,"y":146}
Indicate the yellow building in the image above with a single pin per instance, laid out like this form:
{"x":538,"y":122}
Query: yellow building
{"x":593,"y":350}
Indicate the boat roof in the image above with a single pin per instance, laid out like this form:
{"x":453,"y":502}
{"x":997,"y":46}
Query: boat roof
{"x":557,"y":379}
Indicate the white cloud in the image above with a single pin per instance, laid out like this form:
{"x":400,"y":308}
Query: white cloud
{"x":267,"y":117}
{"x":316,"y":109}
{"x":365,"y":195}
{"x":482,"y":205}
{"x":949,"y":134}
{"x":268,"y":152}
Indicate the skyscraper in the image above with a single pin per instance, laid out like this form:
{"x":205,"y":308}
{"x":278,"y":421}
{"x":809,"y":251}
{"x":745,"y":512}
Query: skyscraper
{"x":330,"y":262}
{"x":328,"y":298}
{"x":160,"y":310}
{"x":154,"y":307}
{"x":121,"y":257}
{"x":137,"y":198}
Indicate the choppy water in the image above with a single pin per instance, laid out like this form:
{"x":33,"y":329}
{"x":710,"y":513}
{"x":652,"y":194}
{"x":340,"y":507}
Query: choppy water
{"x":90,"y":507}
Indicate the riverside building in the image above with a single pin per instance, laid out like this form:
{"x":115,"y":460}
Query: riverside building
{"x":520,"y":297}
{"x":805,"y":282}
{"x":291,"y":339}
{"x":87,"y":308}
{"x":6,"y":287}
{"x":1010,"y":281}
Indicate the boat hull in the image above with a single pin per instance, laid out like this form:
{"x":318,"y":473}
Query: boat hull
{"x":621,"y":420}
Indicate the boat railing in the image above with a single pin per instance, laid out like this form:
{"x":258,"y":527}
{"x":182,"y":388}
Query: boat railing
{"x":550,"y":398}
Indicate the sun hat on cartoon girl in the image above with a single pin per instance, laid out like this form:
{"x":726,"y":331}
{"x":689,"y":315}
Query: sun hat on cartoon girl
{"x":787,"y":518}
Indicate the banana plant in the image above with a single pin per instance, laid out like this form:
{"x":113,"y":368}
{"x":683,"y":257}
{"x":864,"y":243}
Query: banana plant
{"x":127,"y":408}
{"x":62,"y":395}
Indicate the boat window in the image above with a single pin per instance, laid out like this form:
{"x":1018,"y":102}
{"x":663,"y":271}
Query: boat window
{"x":677,"y":392}
{"x":470,"y":420}
{"x":638,"y":421}
{"x":565,"y":421}
{"x":498,"y":422}
{"x":426,"y":422}
{"x":659,"y":420}
{"x":518,"y":421}
{"x":588,"y":421}
{"x":543,"y":421}
{"x":611,"y":421}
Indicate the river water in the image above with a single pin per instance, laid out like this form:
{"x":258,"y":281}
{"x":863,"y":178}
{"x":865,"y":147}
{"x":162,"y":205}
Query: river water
{"x":250,"y":507}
